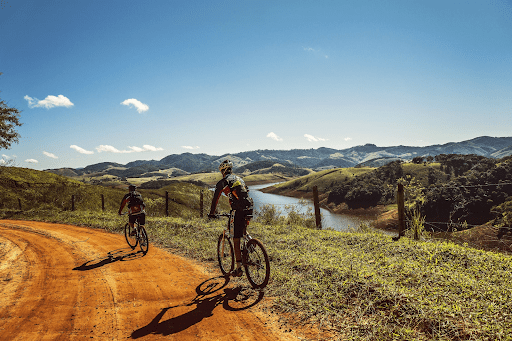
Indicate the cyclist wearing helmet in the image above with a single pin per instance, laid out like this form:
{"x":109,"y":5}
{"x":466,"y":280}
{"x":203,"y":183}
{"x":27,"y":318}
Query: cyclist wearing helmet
{"x":235,"y":189}
{"x":136,"y":208}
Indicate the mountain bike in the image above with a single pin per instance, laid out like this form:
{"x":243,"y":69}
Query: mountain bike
{"x":254,"y":256}
{"x":139,"y":237}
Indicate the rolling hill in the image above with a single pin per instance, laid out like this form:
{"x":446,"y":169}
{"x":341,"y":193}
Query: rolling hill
{"x":316,"y":159}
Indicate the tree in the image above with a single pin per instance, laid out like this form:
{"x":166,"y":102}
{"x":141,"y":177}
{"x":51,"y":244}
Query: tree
{"x":9,"y":120}
{"x":418,"y":159}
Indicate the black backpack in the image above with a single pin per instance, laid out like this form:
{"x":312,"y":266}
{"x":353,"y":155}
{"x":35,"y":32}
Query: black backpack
{"x":135,"y":199}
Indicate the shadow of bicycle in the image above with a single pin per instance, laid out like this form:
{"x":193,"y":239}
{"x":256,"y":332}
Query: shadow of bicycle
{"x":210,"y":294}
{"x":119,"y":255}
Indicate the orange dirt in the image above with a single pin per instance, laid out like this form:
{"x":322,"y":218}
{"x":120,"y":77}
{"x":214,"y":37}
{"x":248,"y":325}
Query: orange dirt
{"x":62,"y":282}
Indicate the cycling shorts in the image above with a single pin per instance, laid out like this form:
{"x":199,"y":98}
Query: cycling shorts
{"x":240,"y":224}
{"x":140,"y":217}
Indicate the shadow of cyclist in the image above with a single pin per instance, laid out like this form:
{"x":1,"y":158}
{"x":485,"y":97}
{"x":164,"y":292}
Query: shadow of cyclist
{"x":233,"y":299}
{"x":121,"y":255}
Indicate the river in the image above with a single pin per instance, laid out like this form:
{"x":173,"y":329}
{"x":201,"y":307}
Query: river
{"x":339,"y":222}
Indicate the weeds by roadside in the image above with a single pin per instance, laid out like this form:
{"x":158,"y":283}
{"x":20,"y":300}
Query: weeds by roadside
{"x":359,"y":284}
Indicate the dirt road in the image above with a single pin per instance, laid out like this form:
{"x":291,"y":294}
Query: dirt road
{"x":62,"y":282}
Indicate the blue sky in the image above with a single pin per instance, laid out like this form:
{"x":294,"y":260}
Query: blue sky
{"x":131,"y":80}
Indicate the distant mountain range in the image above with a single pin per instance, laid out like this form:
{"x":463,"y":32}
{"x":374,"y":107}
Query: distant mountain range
{"x":316,"y":159}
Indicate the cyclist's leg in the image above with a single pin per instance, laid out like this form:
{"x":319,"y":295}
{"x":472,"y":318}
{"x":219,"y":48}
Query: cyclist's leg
{"x":238,"y":233}
{"x":131,"y":221}
{"x":142,"y":219}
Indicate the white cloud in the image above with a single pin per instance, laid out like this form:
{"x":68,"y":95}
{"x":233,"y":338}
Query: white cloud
{"x":111,"y":149}
{"x":132,"y":149}
{"x":80,"y":150}
{"x":141,"y":107}
{"x":152,"y":149}
{"x":7,"y":159}
{"x":135,"y":149}
{"x":31,"y":161}
{"x":311,"y":138}
{"x":49,"y":102}
{"x":190,"y":147}
{"x":274,"y":136}
{"x":309,"y":49}
{"x":50,"y":155}
{"x":347,"y":138}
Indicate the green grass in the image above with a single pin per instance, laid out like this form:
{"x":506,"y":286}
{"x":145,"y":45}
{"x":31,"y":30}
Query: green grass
{"x":38,"y":190}
{"x":324,"y":180}
{"x":360,"y":284}
{"x":420,"y":171}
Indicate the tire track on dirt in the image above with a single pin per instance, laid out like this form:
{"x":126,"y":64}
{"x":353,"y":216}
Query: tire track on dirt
{"x":62,"y":282}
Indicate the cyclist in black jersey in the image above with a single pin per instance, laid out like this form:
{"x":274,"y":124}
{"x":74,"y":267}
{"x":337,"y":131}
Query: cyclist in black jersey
{"x":136,"y":207}
{"x":235,"y":189}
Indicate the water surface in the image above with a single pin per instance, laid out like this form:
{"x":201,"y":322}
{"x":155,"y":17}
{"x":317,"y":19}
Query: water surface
{"x":339,"y":222}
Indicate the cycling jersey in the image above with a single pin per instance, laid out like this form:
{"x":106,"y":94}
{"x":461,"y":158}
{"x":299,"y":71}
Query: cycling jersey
{"x":235,"y":189}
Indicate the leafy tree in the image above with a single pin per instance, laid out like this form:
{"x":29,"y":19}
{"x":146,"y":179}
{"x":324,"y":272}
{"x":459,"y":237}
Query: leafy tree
{"x":418,"y":159}
{"x":368,"y":189}
{"x":9,"y":120}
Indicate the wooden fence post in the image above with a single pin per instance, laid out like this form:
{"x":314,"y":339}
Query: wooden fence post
{"x":102,"y":202}
{"x":401,"y":210}
{"x":72,"y":202}
{"x":317,"y":208}
{"x":19,"y":203}
{"x":201,"y":204}
{"x":166,"y":203}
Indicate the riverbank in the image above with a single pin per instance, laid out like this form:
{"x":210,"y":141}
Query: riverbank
{"x":383,"y":216}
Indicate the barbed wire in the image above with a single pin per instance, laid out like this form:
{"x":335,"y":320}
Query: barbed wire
{"x":469,"y":186}
{"x":431,"y":223}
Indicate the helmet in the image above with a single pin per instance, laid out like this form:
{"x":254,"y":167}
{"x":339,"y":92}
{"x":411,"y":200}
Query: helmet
{"x":225,"y":165}
{"x":132,"y":188}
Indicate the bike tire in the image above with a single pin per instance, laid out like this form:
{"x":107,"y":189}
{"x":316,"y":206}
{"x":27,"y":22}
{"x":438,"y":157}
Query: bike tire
{"x":225,"y":255}
{"x":256,"y":264}
{"x":143,"y":240}
{"x":131,"y":240}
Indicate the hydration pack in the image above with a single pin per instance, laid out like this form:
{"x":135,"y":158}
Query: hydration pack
{"x":135,"y":199}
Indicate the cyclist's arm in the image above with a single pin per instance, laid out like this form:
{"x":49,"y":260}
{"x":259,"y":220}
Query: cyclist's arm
{"x":123,"y":203}
{"x":219,"y":188}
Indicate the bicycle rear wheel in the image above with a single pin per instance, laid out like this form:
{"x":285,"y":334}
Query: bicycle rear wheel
{"x":225,"y":255}
{"x":256,"y":264}
{"x":131,"y":240}
{"x":143,"y":240}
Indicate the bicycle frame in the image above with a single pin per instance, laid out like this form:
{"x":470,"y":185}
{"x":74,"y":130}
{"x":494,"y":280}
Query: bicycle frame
{"x":230,"y":228}
{"x":254,"y":256}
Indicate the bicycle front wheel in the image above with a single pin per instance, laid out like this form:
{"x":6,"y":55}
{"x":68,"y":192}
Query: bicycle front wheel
{"x":225,"y":255}
{"x":130,"y":239}
{"x":257,"y":264}
{"x":143,"y":240}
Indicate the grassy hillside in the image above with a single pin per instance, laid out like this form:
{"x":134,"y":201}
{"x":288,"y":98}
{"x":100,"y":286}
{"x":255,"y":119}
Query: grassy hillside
{"x":37,"y":190}
{"x":324,"y":180}
{"x":328,"y":180}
